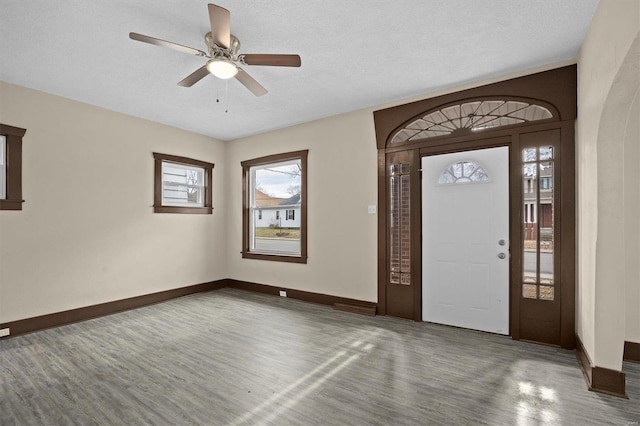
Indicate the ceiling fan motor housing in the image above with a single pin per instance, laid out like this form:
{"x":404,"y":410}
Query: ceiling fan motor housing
{"x":215,"y":50}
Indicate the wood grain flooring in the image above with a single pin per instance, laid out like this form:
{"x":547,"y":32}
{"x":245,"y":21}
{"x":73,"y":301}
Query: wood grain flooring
{"x":231,"y":357}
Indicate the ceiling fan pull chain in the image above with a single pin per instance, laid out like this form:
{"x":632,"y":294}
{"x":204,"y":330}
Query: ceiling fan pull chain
{"x":226,"y":94}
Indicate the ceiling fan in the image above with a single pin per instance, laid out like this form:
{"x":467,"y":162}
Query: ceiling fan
{"x":223,"y":54}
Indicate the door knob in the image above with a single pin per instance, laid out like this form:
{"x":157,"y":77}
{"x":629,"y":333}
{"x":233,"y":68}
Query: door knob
{"x":502,"y":255}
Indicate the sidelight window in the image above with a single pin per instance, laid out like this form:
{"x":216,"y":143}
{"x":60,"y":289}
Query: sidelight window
{"x":538,"y":223}
{"x":400,"y":219}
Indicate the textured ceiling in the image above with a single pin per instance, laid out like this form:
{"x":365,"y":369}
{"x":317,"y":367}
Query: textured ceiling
{"x":355,"y":53}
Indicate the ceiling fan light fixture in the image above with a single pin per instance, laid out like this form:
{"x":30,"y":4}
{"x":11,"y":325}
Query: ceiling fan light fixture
{"x":222,"y":68}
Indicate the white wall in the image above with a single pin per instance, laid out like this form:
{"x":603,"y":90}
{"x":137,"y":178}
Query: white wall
{"x":342,"y":182}
{"x":87,"y":235}
{"x":601,"y":248}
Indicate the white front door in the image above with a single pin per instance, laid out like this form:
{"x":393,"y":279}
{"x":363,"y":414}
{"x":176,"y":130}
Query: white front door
{"x":465,"y":219}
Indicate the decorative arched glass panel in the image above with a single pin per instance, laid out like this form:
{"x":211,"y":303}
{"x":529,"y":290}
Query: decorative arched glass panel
{"x":463,"y":172}
{"x":476,"y":115}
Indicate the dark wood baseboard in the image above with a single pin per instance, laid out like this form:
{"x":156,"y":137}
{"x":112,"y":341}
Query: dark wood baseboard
{"x":356,"y":309}
{"x":30,"y":325}
{"x":352,"y":305}
{"x":599,"y":379}
{"x":632,"y":352}
{"x":43,"y":322}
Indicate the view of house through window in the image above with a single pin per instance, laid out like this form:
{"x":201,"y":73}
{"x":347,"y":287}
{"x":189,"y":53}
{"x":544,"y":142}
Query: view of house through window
{"x":538,"y":221}
{"x":274,"y":218}
{"x":276,"y":198}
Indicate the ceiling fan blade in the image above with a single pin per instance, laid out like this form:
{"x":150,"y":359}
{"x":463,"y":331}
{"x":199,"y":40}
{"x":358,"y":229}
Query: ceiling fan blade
{"x":250,"y":83}
{"x":168,"y":44}
{"x":194,"y":77}
{"x":272,"y":60}
{"x":220,"y":19}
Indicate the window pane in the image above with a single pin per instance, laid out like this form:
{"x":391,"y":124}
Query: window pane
{"x":405,"y":225}
{"x":530,"y":226}
{"x":394,"y":210}
{"x":546,"y":218}
{"x":538,"y":221}
{"x":529,"y":291}
{"x":529,"y":154}
{"x":546,"y":292}
{"x":463,"y":172}
{"x":182,"y":185}
{"x":400,"y":225}
{"x":546,"y":152}
{"x":276,"y":192}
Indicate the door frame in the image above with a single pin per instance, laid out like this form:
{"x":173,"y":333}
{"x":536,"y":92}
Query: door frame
{"x":556,"y":90}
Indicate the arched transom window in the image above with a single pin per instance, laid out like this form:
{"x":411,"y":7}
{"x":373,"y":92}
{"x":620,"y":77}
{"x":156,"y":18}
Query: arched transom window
{"x":463,"y":172}
{"x":476,"y":115}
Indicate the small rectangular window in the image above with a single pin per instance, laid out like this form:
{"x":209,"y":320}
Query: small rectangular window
{"x":277,"y":185}
{"x":11,"y":167}
{"x":182,"y":185}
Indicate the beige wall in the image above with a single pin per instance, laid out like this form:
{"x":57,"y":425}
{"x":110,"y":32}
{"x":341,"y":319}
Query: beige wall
{"x":342,"y":182}
{"x":632,"y":217}
{"x":600,"y":162}
{"x":88,"y":233}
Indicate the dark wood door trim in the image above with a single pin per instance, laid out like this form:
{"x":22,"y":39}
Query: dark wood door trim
{"x":632,"y":352}
{"x":382,"y":233}
{"x":556,"y":88}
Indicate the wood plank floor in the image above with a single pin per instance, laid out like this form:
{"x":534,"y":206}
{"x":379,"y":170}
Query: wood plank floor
{"x":231,"y":357}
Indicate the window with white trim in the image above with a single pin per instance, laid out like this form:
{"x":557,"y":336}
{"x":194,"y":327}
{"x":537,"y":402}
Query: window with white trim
{"x":182,"y":185}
